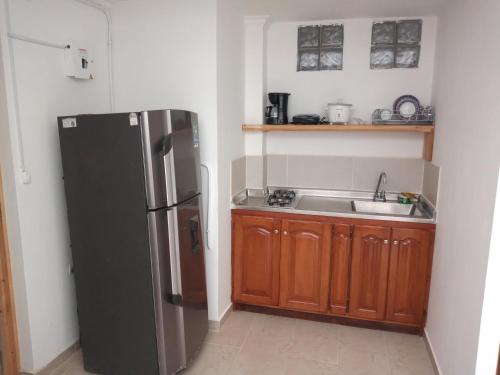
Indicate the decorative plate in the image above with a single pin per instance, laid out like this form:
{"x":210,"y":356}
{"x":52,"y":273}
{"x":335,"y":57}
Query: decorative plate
{"x":385,"y":114}
{"x":407,"y":106}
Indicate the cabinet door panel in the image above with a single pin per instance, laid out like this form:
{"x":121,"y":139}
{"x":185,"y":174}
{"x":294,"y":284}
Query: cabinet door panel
{"x":369,"y":266}
{"x":305,"y":259}
{"x":256,"y":254}
{"x":340,"y":266}
{"x":408,"y":275}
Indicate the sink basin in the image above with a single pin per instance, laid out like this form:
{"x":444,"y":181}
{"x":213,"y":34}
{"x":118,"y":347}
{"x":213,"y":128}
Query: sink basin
{"x":384,"y":208}
{"x":326,"y":204}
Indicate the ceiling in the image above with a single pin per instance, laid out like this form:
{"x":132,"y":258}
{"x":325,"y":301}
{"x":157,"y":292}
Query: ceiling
{"x":310,"y":10}
{"x":108,"y":2}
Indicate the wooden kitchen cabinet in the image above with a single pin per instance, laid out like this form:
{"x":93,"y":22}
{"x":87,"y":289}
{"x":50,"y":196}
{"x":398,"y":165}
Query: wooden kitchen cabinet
{"x":256,"y":260}
{"x":340,"y":268}
{"x":409,"y":273}
{"x":367,"y":271}
{"x":369,"y":266}
{"x":305,"y":263}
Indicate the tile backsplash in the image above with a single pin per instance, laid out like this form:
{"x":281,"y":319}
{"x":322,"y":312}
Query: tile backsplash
{"x":341,"y":173}
{"x":255,"y":172}
{"x":238,"y":175}
{"x":403,"y":174}
{"x":344,"y":173}
{"x":319,"y":172}
{"x":431,"y":182}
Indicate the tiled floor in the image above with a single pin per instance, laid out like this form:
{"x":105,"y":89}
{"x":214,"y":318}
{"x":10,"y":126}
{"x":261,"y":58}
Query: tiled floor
{"x":256,"y":344}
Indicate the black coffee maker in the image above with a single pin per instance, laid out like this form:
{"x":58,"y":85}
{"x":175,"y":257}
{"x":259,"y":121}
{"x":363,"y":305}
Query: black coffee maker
{"x":277,"y":113}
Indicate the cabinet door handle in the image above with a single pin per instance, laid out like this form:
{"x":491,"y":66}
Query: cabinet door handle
{"x":276,"y":231}
{"x":396,"y":242}
{"x":285,"y":233}
{"x":386,"y":242}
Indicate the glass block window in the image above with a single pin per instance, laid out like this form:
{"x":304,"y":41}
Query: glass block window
{"x":320,"y":47}
{"x":396,"y":44}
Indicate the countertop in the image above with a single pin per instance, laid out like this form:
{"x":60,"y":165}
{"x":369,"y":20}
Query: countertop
{"x":336,"y":203}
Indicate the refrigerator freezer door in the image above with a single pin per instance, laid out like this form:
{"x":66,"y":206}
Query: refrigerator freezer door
{"x":171,"y":156}
{"x":189,"y":280}
{"x":185,"y":155}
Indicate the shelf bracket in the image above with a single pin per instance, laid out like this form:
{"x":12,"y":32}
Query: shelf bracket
{"x":428,"y":145}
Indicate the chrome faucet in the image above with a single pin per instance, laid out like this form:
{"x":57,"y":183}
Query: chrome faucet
{"x":379,"y":192}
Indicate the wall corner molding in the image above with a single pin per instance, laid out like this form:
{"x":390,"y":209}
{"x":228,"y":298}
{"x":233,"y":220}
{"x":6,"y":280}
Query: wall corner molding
{"x":432,"y":355}
{"x":262,"y":20}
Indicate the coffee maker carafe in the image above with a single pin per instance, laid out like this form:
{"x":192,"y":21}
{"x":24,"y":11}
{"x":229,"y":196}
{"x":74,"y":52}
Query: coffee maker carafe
{"x":277,"y":113}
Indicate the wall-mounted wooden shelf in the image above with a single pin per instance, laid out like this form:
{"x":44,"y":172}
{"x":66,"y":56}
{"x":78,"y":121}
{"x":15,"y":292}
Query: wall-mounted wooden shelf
{"x":340,"y":128}
{"x":426,"y":130}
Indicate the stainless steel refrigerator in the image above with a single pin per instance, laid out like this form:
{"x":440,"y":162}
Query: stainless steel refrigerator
{"x":133,"y":193}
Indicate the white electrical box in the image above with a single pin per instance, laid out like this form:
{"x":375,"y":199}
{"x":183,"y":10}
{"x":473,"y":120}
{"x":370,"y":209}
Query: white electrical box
{"x":78,"y":62}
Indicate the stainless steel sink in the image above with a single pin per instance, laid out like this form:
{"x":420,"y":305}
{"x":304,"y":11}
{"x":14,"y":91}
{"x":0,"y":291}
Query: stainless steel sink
{"x":324,"y":204}
{"x":342,"y":204}
{"x":385,"y":208}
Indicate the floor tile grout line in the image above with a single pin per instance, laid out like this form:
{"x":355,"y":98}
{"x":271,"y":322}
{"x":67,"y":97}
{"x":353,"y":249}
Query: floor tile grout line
{"x":225,"y":345}
{"x":313,"y":359}
{"x":63,"y":364}
{"x":241,"y":346}
{"x":394,"y":352}
{"x":386,"y":349}
{"x":316,"y":360}
{"x":295,"y":323}
{"x":287,"y":355}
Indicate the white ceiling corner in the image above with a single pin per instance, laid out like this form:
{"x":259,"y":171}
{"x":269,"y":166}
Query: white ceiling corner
{"x":310,"y":10}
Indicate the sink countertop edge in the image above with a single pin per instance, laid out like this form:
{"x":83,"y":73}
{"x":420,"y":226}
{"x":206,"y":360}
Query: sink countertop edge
{"x":340,"y":214}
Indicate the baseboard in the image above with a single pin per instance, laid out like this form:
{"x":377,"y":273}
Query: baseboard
{"x":60,"y":359}
{"x":329,"y":318}
{"x":215,"y":325}
{"x":432,"y":355}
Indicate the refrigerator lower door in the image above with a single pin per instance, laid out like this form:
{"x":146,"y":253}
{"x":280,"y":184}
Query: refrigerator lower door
{"x":188,"y":277}
{"x":168,"y":316}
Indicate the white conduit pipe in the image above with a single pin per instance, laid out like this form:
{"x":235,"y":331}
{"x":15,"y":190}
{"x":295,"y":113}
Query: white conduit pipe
{"x":104,"y":10}
{"x":25,"y":176}
{"x":37,"y":41}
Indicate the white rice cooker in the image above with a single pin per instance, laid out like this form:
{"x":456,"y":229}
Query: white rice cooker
{"x":339,"y":113}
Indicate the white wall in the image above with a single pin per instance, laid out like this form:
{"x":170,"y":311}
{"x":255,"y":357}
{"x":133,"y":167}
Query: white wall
{"x":230,"y":105}
{"x":489,"y":337}
{"x":11,"y":211}
{"x":165,"y":57}
{"x":45,"y":93}
{"x":255,"y":82}
{"x":162,"y":61}
{"x":467,"y":148}
{"x":357,"y":84}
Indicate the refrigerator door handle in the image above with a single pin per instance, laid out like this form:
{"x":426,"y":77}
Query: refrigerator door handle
{"x":168,"y":163}
{"x":206,"y":222}
{"x":175,"y":297}
{"x":194,"y":224}
{"x":166,"y":144}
